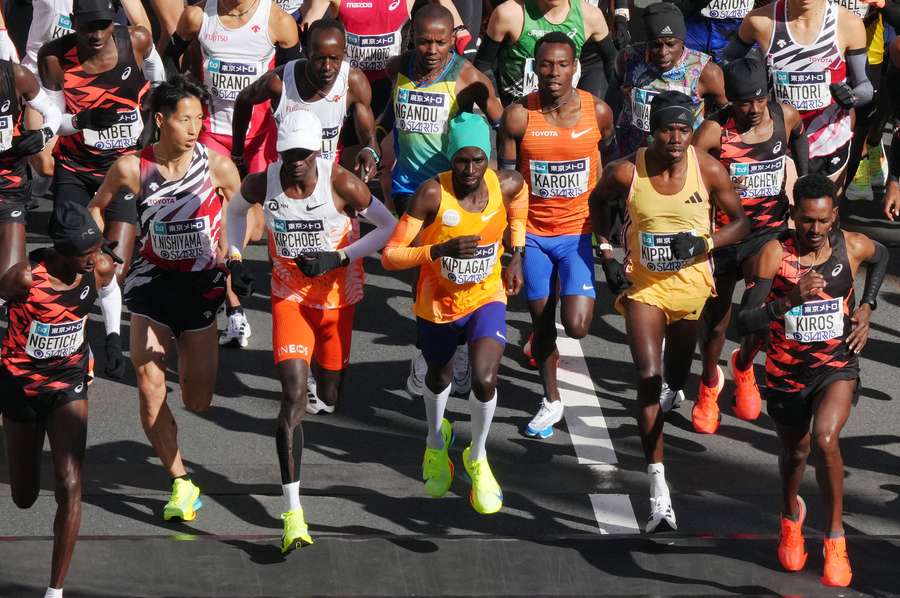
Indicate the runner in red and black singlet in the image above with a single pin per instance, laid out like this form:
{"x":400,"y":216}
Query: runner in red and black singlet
{"x":44,"y":369}
{"x":802,"y":297}
{"x":751,"y":138}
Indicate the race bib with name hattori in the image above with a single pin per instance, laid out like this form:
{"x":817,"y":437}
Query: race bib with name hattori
{"x":181,"y":239}
{"x":473,"y":269}
{"x":296,"y":237}
{"x":815,"y":321}
{"x":656,"y":253}
{"x":560,"y":179}
{"x":422,"y":111}
{"x":55,"y":340}
{"x":123,"y":134}
{"x":727,"y":9}
{"x":371,"y":52}
{"x":760,"y":179}
{"x":803,"y":91}
{"x":225,"y":80}
{"x":640,"y":108}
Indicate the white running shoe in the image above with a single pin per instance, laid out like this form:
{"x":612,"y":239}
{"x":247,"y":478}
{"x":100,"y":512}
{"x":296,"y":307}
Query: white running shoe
{"x":549,"y":413}
{"x":462,"y":372}
{"x":314,"y":404}
{"x":670,"y":399}
{"x":661,"y":510}
{"x":238,"y":331}
{"x":415,"y":383}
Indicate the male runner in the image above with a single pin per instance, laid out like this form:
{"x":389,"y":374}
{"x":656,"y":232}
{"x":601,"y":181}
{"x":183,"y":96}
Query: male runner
{"x":96,"y":77}
{"x":177,"y":282}
{"x":311,"y":205}
{"x":802,"y":294}
{"x":44,"y":372}
{"x":751,"y":138}
{"x":515,"y":27}
{"x":669,"y":189}
{"x":460,"y":219}
{"x":239,"y":41}
{"x":554,"y":137}
{"x":324,"y":84}
{"x":663,"y":63}
{"x":712,"y":23}
{"x":816,"y":50}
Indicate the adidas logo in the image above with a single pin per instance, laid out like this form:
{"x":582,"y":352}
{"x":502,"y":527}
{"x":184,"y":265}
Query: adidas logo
{"x":666,"y":31}
{"x":694,"y":198}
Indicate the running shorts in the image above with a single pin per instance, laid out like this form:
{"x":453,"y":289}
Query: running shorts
{"x":20,"y":408}
{"x":13,"y":204}
{"x":676,"y":306}
{"x":182,"y":301}
{"x":831,"y":164}
{"x":259,"y":151}
{"x":730,"y":259}
{"x":565,"y":262}
{"x":710,"y":35}
{"x":795,"y":409}
{"x":80,"y":188}
{"x":438,"y":342}
{"x":301,"y":332}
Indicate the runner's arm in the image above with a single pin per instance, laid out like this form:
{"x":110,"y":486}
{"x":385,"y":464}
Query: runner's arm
{"x":423,"y":206}
{"x":797,"y":139}
{"x":16,"y":282}
{"x":708,"y":138}
{"x":755,"y":314}
{"x":712,"y":85}
{"x":477,"y":90}
{"x":253,"y":191}
{"x":284,"y":32}
{"x":105,"y":273}
{"x":613,"y":188}
{"x":267,"y":87}
{"x":358,"y":200}
{"x":515,"y":198}
{"x":863,"y":250}
{"x":125,"y":173}
{"x":369,"y":156}
{"x":7,"y":48}
{"x":501,"y":26}
{"x":28,"y":86}
{"x":721,"y":191}
{"x":606,"y":122}
{"x":313,"y":10}
{"x":226,"y":180}
{"x":187,"y":29}
{"x":136,"y":14}
{"x":755,"y":29}
{"x":512,"y":129}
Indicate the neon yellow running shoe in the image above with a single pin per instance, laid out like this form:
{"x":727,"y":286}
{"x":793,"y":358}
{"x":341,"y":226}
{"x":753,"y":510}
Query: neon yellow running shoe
{"x":295,"y":532}
{"x":185,"y":501}
{"x":860,"y":188}
{"x":486,"y":496}
{"x":437,"y":468}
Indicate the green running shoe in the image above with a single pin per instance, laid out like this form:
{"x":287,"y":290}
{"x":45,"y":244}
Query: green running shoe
{"x":296,"y":532}
{"x":437,"y":468}
{"x":185,"y":501}
{"x":486,"y":496}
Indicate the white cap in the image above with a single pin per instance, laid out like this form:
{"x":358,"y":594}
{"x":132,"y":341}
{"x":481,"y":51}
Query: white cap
{"x":300,"y":129}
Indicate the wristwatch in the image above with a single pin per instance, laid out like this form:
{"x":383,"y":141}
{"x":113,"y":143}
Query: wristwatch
{"x":517,"y":251}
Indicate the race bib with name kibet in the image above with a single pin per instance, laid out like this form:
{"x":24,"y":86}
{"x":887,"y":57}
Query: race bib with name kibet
{"x":815,"y":321}
{"x":181,"y":239}
{"x":6,"y":132}
{"x":123,"y":134}
{"x":46,"y":341}
{"x":803,"y":91}
{"x":559,"y":179}
{"x":656,"y":252}
{"x":422,"y":111}
{"x":296,"y":237}
{"x":227,"y":79}
{"x":760,"y":179}
{"x":727,"y":9}
{"x":61,"y":26}
{"x":470,"y":270}
{"x":371,"y":52}
{"x":640,"y":108}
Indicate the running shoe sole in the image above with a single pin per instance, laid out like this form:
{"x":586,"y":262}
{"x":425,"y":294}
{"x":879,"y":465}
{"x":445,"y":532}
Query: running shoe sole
{"x":198,"y":504}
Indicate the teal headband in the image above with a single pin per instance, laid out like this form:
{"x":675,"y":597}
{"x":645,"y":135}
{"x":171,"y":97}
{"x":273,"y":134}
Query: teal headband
{"x":468,"y":130}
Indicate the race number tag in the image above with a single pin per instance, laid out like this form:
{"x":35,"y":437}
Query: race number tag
{"x":656,"y":253}
{"x":62,"y":25}
{"x":296,"y":237}
{"x":6,"y":132}
{"x":559,"y":179}
{"x":181,"y":239}
{"x":289,"y":6}
{"x":54,"y":340}
{"x":760,"y":179}
{"x":815,"y":321}
{"x":422,"y":111}
{"x":329,"y":143}
{"x":123,"y":134}
{"x":857,"y":7}
{"x":530,"y":80}
{"x":371,"y":52}
{"x":470,"y":270}
{"x":225,"y":80}
{"x":640,"y":108}
{"x":803,"y":91}
{"x":727,"y":9}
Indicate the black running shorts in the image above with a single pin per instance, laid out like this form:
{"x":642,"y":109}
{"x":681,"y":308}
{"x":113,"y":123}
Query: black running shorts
{"x":795,"y":409}
{"x":15,"y":405}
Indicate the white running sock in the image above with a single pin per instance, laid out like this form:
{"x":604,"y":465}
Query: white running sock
{"x":291,"y":496}
{"x":482,"y":414}
{"x":111,"y":306}
{"x":658,"y":486}
{"x":53,"y":593}
{"x":435,"y":404}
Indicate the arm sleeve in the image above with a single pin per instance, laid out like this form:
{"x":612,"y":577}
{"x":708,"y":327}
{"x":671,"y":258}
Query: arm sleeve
{"x":154,"y":69}
{"x":517,"y":213}
{"x":374,"y":240}
{"x":397,"y":254}
{"x":753,"y":315}
{"x":736,"y":48}
{"x":877,"y":267}
{"x":285,"y":55}
{"x":237,"y":222}
{"x":800,"y":150}
{"x":859,"y":80}
{"x":47,"y":107}
{"x":487,"y":55}
{"x":894,"y":158}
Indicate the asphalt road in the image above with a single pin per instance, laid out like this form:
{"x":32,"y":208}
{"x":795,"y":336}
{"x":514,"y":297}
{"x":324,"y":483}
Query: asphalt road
{"x":574,"y":504}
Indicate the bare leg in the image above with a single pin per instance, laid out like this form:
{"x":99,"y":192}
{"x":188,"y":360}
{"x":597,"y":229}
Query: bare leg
{"x":289,"y":425}
{"x":646,"y":326}
{"x":713,"y":326}
{"x":831,"y":413}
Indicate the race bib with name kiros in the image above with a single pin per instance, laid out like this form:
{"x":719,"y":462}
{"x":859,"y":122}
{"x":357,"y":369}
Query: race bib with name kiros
{"x":296,"y":237}
{"x":656,"y":253}
{"x":371,"y":52}
{"x":46,"y":341}
{"x":470,"y":270}
{"x":181,"y":239}
{"x":560,"y":179}
{"x":803,"y":91}
{"x":422,"y":111}
{"x":815,"y":321}
{"x":760,"y":179}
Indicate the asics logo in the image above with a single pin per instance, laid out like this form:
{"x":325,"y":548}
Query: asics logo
{"x":837,"y":269}
{"x":5,"y":107}
{"x":126,"y":73}
{"x":79,"y":388}
{"x":16,"y":213}
{"x":580,"y":133}
{"x":84,"y":292}
{"x":776,"y":148}
{"x":128,"y":196}
{"x":393,"y":5}
{"x":486,"y":217}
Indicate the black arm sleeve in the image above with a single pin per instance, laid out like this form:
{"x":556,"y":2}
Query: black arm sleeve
{"x":753,"y":315}
{"x":174,"y":51}
{"x":894,"y":158}
{"x":487,"y":55}
{"x":877,"y":267}
{"x":800,"y":150}
{"x":689,"y":7}
{"x":736,"y":48}
{"x":285,"y":55}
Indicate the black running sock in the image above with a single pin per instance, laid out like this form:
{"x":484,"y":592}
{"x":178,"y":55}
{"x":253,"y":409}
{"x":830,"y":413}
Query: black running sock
{"x":834,"y":535}
{"x":232,"y":310}
{"x":182,"y":477}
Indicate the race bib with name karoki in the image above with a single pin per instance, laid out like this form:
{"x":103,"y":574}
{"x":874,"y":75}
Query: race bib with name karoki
{"x":560,"y":179}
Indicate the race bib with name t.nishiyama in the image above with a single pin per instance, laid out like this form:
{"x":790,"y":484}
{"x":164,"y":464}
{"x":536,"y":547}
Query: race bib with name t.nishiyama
{"x":181,"y":239}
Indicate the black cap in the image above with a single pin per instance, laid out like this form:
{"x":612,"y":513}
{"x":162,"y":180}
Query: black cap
{"x":671,"y":107}
{"x":746,"y":79}
{"x":664,"y":19}
{"x":88,"y":11}
{"x":74,"y":232}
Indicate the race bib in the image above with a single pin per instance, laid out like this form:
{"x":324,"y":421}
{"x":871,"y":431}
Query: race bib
{"x":815,"y":321}
{"x":296,"y":237}
{"x":371,"y":52}
{"x":6,"y":132}
{"x":760,"y":179}
{"x":181,"y":239}
{"x":656,"y":253}
{"x":473,"y":269}
{"x":62,"y":25}
{"x":329,"y":142}
{"x":422,"y":111}
{"x":640,"y":108}
{"x":54,"y":340}
{"x":803,"y":91}
{"x":857,"y":7}
{"x":123,"y":134}
{"x":727,"y":9}
{"x":530,"y":81}
{"x":560,"y":179}
{"x":225,"y":80}
{"x":289,"y":6}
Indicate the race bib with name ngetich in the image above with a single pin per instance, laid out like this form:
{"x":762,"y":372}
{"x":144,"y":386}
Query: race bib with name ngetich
{"x":470,"y":270}
{"x":803,"y":90}
{"x":760,"y":179}
{"x":296,"y":237}
{"x":815,"y":321}
{"x":47,"y":341}
{"x":182,"y":239}
{"x":566,"y":179}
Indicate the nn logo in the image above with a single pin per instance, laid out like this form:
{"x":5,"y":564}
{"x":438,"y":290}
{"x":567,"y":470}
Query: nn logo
{"x":694,"y":198}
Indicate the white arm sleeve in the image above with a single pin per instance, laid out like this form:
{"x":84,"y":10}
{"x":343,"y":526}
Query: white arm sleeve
{"x":43,"y":104}
{"x":374,"y":240}
{"x":154,"y":71}
{"x":59,"y":100}
{"x":7,"y":48}
{"x":237,"y":222}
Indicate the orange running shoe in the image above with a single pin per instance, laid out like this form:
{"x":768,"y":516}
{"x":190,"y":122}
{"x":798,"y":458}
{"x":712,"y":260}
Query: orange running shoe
{"x":705,"y":414}
{"x":747,"y":402}
{"x":791,"y":546}
{"x":837,"y":571}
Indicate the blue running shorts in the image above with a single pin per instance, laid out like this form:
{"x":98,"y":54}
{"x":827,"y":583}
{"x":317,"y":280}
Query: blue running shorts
{"x":438,"y":342}
{"x":565,"y":263}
